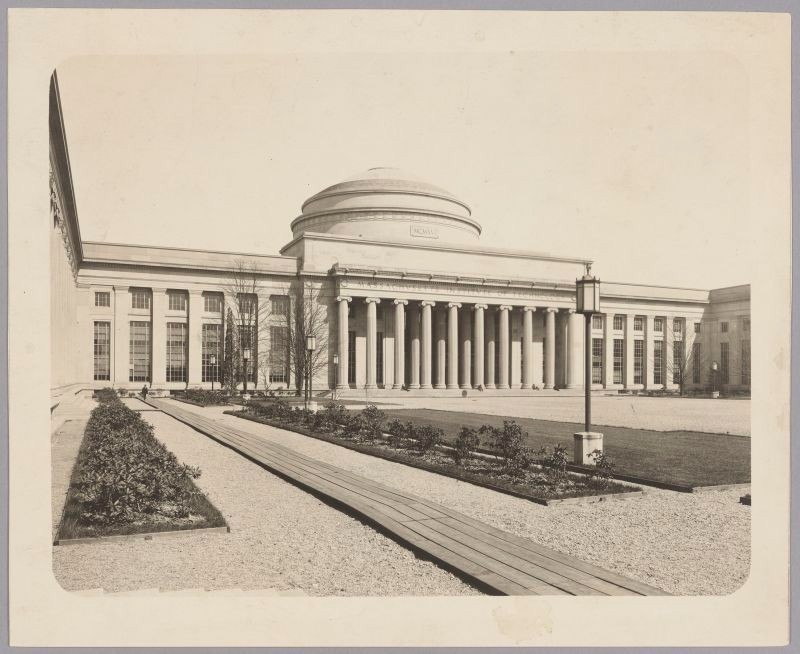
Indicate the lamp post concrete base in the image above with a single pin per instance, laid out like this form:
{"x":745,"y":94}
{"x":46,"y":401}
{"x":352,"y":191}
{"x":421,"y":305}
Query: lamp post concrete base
{"x":587,"y":442}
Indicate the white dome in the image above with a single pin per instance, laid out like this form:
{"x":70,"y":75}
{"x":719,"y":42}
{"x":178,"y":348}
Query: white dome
{"x":387,"y":204}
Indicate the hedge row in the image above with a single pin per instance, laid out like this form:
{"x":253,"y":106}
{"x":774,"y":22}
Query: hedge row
{"x":126,"y":474}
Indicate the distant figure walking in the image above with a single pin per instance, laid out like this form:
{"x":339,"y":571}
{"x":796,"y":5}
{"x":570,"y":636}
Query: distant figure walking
{"x":144,"y":392}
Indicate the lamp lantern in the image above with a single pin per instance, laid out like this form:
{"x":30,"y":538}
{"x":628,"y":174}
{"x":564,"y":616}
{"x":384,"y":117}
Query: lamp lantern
{"x":311,"y":343}
{"x":587,"y":295}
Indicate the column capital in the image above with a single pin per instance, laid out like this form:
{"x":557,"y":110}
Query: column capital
{"x":570,"y":311}
{"x":427,"y":303}
{"x":194,"y":292}
{"x":343,"y":298}
{"x":121,"y":289}
{"x":480,"y":306}
{"x":505,"y":307}
{"x":369,"y":300}
{"x":529,"y":308}
{"x":554,"y":310}
{"x":456,"y":305}
{"x":403,"y":302}
{"x":158,"y":289}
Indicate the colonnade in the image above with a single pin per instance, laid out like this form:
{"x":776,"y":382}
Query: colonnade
{"x":460,"y":345}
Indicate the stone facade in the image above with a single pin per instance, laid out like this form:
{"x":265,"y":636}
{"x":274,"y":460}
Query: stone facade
{"x":408,"y":300}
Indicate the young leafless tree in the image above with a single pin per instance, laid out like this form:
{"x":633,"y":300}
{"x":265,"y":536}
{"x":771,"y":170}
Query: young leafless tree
{"x":249,"y":306}
{"x":307,"y":317}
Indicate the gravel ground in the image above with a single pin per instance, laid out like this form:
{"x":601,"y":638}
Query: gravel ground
{"x":688,"y":544}
{"x":659,"y":413}
{"x":281,"y":538}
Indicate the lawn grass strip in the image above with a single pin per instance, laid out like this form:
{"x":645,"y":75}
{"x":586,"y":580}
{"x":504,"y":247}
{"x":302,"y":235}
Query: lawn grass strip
{"x":372,"y":505}
{"x":142,"y":536}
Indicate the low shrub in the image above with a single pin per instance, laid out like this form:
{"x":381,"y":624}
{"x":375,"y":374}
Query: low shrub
{"x":603,"y":472}
{"x":206,"y":397}
{"x":555,"y":462}
{"x":427,"y":437}
{"x":372,"y":419}
{"x":105,"y":395}
{"x":465,"y":445}
{"x":126,"y":473}
{"x":509,"y":444}
{"x":398,"y":433}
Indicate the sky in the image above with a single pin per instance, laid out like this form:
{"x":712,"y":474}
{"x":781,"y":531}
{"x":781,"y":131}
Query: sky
{"x":638,"y":161}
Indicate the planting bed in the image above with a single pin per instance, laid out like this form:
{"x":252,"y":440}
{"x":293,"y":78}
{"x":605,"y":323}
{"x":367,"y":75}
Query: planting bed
{"x":126,"y":482}
{"x":536,"y":483}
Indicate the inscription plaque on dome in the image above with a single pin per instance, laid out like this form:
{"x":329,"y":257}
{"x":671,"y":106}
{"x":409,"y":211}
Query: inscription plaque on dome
{"x":424,"y":231}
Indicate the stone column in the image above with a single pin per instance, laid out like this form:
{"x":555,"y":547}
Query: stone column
{"x":399,"y":343}
{"x":576,"y":328}
{"x":562,"y":355}
{"x":413,"y":324}
{"x":427,"y":349}
{"x":452,"y":344}
{"x":550,"y":348}
{"x":120,"y":341}
{"x":669,"y":345}
{"x":608,"y":347}
{"x":527,"y":347}
{"x":649,"y":351}
{"x":490,"y":345}
{"x":372,"y":341}
{"x":503,"y":382}
{"x":344,"y":342}
{"x":195,"y":335}
{"x":629,"y":344}
{"x":466,"y":350}
{"x":478,"y":338}
{"x":158,"y":330}
{"x":441,"y":349}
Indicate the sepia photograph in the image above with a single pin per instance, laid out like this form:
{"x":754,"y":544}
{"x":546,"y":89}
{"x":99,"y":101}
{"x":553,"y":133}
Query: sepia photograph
{"x":390,"y":319}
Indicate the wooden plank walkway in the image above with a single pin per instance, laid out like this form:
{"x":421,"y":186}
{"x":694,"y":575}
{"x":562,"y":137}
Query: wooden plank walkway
{"x":500,"y":562}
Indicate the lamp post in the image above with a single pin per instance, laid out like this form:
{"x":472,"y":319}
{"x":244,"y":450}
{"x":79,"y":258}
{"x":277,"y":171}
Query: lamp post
{"x":213,"y":361}
{"x":335,"y":374}
{"x":311,"y":345}
{"x":587,"y":300}
{"x":714,"y":373}
{"x":246,"y":357}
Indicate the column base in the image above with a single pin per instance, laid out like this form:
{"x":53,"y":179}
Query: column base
{"x":440,"y":386}
{"x":452,"y":386}
{"x":397,"y":386}
{"x":466,"y":387}
{"x":503,"y":387}
{"x":413,"y":387}
{"x":342,"y":387}
{"x":370,"y":387}
{"x":572,"y":386}
{"x":425,"y":386}
{"x":585,"y":443}
{"x":490,"y":387}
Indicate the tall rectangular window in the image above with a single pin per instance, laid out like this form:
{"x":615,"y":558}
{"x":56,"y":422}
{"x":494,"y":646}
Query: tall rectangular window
{"x":697,"y":362}
{"x":597,"y":360}
{"x":658,"y":325}
{"x":280,"y":305}
{"x":619,"y":360}
{"x":248,"y":341}
{"x":102,"y":351}
{"x":278,"y":355}
{"x":212,"y":303}
{"x":723,"y":327}
{"x":677,"y":326}
{"x":212,"y":352}
{"x":678,"y":363}
{"x":351,"y":357}
{"x":102,"y":299}
{"x":139,"y":352}
{"x":176,"y":351}
{"x":619,"y":323}
{"x":140,"y":299}
{"x":379,"y":359}
{"x":638,"y":361}
{"x":746,"y":325}
{"x":724,"y":361}
{"x":658,"y":362}
{"x":746,"y":362}
{"x":638,"y":323}
{"x":177,"y":301}
{"x":597,"y":321}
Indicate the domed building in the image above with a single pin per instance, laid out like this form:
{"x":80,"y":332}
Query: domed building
{"x":402,"y":298}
